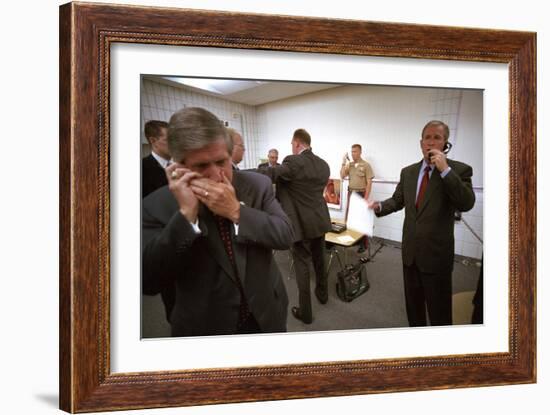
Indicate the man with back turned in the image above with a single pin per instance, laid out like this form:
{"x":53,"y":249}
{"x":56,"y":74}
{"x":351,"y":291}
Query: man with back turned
{"x":430,"y":191}
{"x":301,"y":179}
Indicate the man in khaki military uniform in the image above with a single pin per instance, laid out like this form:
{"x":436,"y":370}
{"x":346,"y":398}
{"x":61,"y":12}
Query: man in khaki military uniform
{"x":360,"y":180}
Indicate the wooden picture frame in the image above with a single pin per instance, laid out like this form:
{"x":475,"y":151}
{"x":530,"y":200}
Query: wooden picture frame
{"x":86,"y":33}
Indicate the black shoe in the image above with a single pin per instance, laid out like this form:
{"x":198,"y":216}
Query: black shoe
{"x":361,"y":249}
{"x":322,"y":295}
{"x":298,"y":315}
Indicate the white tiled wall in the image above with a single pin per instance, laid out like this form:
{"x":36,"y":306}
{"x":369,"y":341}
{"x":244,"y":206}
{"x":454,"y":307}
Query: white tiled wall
{"x":159,"y":101}
{"x":446,"y":107}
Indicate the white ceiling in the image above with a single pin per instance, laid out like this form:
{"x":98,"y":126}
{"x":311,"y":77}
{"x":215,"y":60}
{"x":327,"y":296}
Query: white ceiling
{"x":247,"y":92}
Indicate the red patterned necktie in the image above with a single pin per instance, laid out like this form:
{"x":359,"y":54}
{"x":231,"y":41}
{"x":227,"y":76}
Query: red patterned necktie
{"x":423,"y":186}
{"x":225,"y":234}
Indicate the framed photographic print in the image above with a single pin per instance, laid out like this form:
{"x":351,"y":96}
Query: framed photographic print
{"x":110,"y":57}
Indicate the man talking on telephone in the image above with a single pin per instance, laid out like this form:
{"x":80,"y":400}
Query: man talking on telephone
{"x":210,"y":234}
{"x":430,"y":191}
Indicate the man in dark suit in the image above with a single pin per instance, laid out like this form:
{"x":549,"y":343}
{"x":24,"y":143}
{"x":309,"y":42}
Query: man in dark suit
{"x":238,"y":147}
{"x":430,"y":191}
{"x":272,"y":157}
{"x":210,"y":234}
{"x":152,"y":166}
{"x":301,"y":179}
{"x":153,"y":177}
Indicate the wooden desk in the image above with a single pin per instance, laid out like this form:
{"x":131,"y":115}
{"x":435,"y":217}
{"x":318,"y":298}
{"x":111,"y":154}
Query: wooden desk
{"x":344,"y":240}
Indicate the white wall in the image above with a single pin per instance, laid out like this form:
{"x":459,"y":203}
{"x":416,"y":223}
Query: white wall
{"x":387,"y":122}
{"x":339,"y":117}
{"x":468,"y":142}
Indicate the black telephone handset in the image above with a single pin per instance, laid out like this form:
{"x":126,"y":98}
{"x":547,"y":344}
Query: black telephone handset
{"x":446,"y":148}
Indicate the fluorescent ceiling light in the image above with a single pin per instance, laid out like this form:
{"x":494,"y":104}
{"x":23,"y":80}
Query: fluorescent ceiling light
{"x":216,"y":86}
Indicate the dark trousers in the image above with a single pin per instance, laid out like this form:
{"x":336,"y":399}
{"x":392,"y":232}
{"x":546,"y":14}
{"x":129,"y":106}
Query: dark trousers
{"x":431,"y":291}
{"x":250,"y":326}
{"x":303,"y":253}
{"x":477,"y":315}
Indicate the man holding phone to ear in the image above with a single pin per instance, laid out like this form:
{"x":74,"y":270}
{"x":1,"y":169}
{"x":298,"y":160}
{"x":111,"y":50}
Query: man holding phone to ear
{"x":210,"y":234}
{"x":430,"y":191}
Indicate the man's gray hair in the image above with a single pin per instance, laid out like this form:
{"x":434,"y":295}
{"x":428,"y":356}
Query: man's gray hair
{"x":232,"y":134}
{"x":192,"y":129}
{"x":437,"y":123}
{"x":273,"y":150}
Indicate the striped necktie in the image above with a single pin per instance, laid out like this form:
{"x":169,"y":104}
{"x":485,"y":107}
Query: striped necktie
{"x":225,"y":233}
{"x":423,"y":186}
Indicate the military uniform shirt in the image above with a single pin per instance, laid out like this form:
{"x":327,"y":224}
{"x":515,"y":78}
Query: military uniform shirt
{"x":359,"y":173}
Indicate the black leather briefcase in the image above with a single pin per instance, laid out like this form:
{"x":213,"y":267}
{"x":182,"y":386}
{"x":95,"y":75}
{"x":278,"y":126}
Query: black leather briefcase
{"x":352,"y":282}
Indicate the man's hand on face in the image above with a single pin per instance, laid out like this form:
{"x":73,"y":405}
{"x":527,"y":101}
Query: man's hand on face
{"x":179,"y":179}
{"x":439,"y":159}
{"x":219,"y":197}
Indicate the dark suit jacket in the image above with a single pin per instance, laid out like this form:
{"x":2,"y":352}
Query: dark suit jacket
{"x":301,"y":180}
{"x":266,"y":165}
{"x":428,"y":234}
{"x":207,"y":296}
{"x":152,"y":175}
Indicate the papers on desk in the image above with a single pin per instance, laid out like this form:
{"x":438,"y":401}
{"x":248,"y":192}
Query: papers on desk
{"x":345,"y":239}
{"x":360,"y":217}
